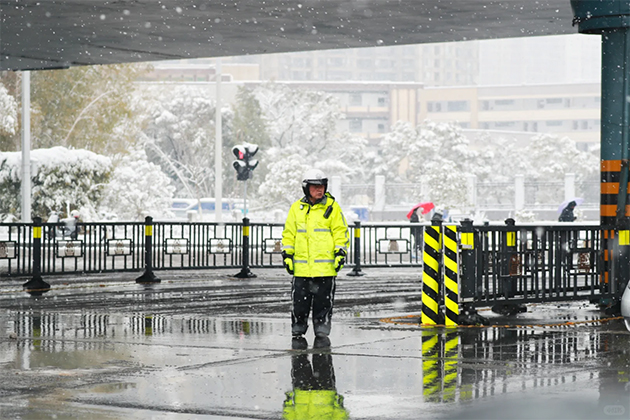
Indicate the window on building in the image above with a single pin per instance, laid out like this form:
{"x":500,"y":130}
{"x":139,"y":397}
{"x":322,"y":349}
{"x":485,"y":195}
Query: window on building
{"x":336,"y":62}
{"x":455,"y":106}
{"x":356,"y":99}
{"x":504,"y":102}
{"x":554,"y":123}
{"x":381,"y":128}
{"x":381,"y":101}
{"x":355,"y":126}
{"x":429,"y":106}
{"x":485,"y":105}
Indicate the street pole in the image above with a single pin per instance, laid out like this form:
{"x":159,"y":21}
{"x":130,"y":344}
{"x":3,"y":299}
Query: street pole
{"x":218,"y":146}
{"x":26,"y":147}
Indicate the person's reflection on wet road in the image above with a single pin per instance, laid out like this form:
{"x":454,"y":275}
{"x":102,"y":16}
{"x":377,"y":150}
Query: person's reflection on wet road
{"x":314,"y":394}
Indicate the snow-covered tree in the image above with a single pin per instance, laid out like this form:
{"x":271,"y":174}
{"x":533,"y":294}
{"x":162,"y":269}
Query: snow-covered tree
{"x":137,"y":188}
{"x":8,"y":112}
{"x":435,"y":155}
{"x":550,"y":157}
{"x":283,"y":184}
{"x":302,"y":133}
{"x":180,"y":135}
{"x":62,"y":176}
{"x":81,"y":107}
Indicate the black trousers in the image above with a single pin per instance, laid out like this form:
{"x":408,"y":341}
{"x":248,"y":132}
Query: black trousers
{"x":320,"y":375}
{"x":316,"y":293}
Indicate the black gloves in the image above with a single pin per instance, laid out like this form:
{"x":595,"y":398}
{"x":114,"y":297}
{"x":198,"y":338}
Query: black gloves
{"x":287,"y":261}
{"x":340,"y":259}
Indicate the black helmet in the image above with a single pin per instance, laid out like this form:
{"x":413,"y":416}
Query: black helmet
{"x":314,"y":177}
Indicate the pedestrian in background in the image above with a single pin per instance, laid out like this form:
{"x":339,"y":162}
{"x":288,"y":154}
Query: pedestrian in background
{"x":314,"y":244}
{"x":567,"y":213}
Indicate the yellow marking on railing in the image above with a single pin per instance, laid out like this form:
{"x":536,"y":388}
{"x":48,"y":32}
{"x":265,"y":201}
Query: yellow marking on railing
{"x":148,"y":230}
{"x":511,"y":239}
{"x":37,"y":232}
{"x":468,"y":240}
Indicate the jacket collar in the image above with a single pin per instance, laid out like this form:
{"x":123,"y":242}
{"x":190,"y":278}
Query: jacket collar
{"x":322,"y":201}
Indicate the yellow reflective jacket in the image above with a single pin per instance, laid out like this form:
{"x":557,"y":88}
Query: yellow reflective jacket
{"x":314,"y":405}
{"x":312,"y":238}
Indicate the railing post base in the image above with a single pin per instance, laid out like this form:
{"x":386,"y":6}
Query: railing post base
{"x":356,"y":272}
{"x":470,"y":316}
{"x":36,"y":286}
{"x":148,"y":277}
{"x":508,"y":308}
{"x":245,"y":273}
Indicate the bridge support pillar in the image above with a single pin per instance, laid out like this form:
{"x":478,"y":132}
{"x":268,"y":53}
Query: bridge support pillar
{"x":611,"y":20}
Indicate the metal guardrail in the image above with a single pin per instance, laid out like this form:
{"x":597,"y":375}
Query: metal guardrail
{"x":120,"y":246}
{"x":513,"y":264}
{"x":525,"y":264}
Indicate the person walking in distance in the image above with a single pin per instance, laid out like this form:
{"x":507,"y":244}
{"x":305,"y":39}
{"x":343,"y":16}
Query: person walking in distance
{"x":314,"y":248}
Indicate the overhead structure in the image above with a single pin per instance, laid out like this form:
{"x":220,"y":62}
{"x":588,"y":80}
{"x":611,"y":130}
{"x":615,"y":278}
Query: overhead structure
{"x":36,"y":34}
{"x":611,"y":20}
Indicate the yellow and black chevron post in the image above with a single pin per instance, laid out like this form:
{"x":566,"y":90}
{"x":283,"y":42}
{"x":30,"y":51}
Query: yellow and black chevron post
{"x":451,"y":358}
{"x":431,"y":277}
{"x":451,"y":277}
{"x":431,"y":366}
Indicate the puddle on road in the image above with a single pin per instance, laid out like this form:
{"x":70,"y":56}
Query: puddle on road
{"x":235,"y":367}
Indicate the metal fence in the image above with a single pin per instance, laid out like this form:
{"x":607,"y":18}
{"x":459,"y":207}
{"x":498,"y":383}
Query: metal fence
{"x":525,"y":264}
{"x":118,"y":246}
{"x":518,"y":264}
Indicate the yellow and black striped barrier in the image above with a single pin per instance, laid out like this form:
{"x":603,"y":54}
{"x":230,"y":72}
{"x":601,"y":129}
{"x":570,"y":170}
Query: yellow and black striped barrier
{"x":431,"y":366}
{"x":451,"y":277}
{"x":431,"y":277}
{"x":451,"y":357}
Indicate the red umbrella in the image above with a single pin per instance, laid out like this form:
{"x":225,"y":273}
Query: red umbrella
{"x":426,"y":207}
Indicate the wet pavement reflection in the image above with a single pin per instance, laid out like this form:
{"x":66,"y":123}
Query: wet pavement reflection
{"x":192,"y":360}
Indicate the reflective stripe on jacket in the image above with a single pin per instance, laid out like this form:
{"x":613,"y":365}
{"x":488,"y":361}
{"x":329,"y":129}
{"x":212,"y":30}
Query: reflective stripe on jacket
{"x":313,"y":239}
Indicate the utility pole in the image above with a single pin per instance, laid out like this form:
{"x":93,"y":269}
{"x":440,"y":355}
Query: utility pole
{"x":26,"y":147}
{"x":218,"y":146}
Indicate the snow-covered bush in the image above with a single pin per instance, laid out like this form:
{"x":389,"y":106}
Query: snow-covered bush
{"x":60,"y":176}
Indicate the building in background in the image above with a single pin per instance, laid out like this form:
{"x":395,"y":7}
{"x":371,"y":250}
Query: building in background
{"x":554,"y":86}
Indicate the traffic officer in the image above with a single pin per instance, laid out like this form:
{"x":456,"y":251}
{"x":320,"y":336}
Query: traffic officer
{"x":314,"y":245}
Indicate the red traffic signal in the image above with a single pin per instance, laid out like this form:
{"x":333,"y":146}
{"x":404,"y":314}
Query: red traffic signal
{"x":244,"y":164}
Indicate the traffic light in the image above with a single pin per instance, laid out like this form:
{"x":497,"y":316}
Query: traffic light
{"x":244,"y":164}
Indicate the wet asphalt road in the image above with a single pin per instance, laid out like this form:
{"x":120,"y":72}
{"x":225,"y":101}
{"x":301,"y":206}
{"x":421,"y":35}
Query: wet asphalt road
{"x":206,"y":345}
